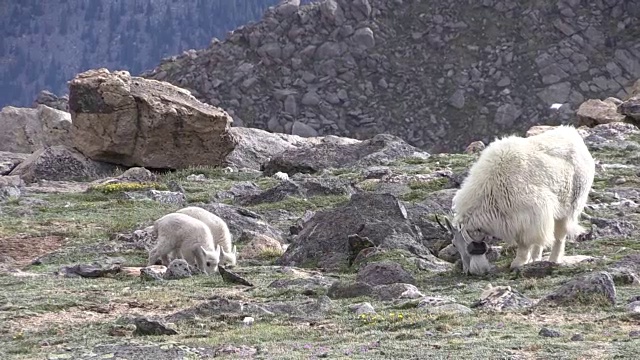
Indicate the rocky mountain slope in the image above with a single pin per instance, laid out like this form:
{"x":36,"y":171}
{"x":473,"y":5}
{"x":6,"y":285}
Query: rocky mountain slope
{"x":44,"y":44}
{"x":438,"y":74}
{"x":335,"y":236}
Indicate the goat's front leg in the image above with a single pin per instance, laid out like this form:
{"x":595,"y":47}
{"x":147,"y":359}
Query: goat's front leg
{"x":522,"y":256}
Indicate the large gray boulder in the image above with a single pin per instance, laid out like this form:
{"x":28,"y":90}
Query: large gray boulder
{"x":323,"y":240}
{"x":133,"y":121}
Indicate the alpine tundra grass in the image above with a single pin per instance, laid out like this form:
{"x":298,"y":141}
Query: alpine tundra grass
{"x":43,"y":315}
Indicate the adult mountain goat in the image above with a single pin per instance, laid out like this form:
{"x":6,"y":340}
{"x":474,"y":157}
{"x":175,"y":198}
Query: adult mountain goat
{"x":219,"y":231}
{"x":528,"y":192}
{"x":184,"y":237}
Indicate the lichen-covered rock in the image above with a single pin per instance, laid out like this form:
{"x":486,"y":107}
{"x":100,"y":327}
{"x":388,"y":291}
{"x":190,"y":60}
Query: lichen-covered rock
{"x":178,"y":269}
{"x":379,"y":217}
{"x":133,"y":121}
{"x":593,"y":288}
{"x":60,"y":163}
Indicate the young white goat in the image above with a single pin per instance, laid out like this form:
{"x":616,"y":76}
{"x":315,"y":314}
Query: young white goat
{"x":219,"y":231}
{"x":183,"y":236}
{"x":526,"y":191}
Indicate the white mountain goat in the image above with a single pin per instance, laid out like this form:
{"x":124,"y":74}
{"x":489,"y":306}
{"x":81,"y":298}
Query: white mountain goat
{"x":185,"y":237}
{"x":219,"y":231}
{"x":529,"y":192}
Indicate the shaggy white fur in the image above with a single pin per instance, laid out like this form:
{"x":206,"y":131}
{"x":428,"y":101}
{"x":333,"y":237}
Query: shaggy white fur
{"x":526,"y":191}
{"x":183,"y":236}
{"x":219,"y":231}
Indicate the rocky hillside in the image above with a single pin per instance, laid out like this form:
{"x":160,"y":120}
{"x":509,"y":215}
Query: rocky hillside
{"x":438,"y":74}
{"x":334,"y":236}
{"x":43,"y":44}
{"x":350,"y":249}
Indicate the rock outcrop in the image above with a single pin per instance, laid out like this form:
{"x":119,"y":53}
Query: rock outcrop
{"x":24,"y":130}
{"x":60,"y":163}
{"x":438,"y":74}
{"x":133,"y":121}
{"x":337,"y":152}
{"x":48,"y":98}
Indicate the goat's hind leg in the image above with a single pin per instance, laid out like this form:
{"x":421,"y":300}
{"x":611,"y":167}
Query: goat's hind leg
{"x":536,"y":253}
{"x":560,"y":234}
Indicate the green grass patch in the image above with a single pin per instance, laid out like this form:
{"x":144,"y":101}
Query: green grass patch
{"x":300,"y":205}
{"x":127,"y":186}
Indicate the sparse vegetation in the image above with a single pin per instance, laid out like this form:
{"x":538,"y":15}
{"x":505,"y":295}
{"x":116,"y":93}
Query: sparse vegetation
{"x":126,"y":186}
{"x":44,"y":314}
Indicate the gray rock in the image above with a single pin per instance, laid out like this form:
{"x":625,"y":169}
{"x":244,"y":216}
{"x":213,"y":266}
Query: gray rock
{"x":556,"y":93}
{"x":332,"y":12}
{"x":332,"y":152}
{"x":60,"y":163}
{"x":145,"y":326}
{"x":546,"y":332}
{"x":552,"y":74}
{"x":9,"y":160}
{"x":311,"y":98}
{"x":363,"y":308}
{"x":595,"y":288}
{"x":507,"y":114}
{"x":457,"y":99}
{"x":96,"y":269}
{"x":239,"y":220}
{"x":502,"y":298}
{"x":628,"y":62}
{"x":364,"y":37}
{"x":290,"y":105}
{"x":384,"y":273}
{"x":380,"y":217}
{"x":631,"y":108}
{"x":301,"y":129}
{"x":178,"y":269}
{"x":594,"y":112}
{"x":396,"y":291}
{"x":116,"y":117}
{"x":49,"y":99}
{"x":9,"y":192}
{"x":25,"y":130}
{"x":302,"y":188}
{"x":577,"y":337}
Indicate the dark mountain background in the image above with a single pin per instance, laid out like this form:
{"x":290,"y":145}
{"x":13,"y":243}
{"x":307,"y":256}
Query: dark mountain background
{"x":43,"y":44}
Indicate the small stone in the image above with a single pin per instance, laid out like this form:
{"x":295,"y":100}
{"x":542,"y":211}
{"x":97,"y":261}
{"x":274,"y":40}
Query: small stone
{"x":146,"y":326}
{"x":475,"y":147}
{"x":363,"y":308}
{"x":178,"y":269}
{"x":577,"y":337}
{"x":457,"y":99}
{"x":546,"y":332}
{"x":505,"y":81}
{"x":364,"y":37}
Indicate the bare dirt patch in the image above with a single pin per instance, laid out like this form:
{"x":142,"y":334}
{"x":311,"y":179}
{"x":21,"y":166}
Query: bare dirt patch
{"x":22,"y":249}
